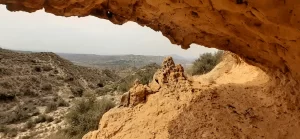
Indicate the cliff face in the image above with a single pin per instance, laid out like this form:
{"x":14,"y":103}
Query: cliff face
{"x":265,"y":33}
{"x":234,"y":101}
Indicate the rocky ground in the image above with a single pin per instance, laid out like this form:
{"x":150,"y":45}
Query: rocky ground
{"x":37,"y":89}
{"x":235,"y":100}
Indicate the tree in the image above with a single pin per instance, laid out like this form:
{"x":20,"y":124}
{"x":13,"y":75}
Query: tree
{"x":206,"y":62}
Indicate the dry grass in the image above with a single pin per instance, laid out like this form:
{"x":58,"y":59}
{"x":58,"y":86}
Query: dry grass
{"x":89,"y":110}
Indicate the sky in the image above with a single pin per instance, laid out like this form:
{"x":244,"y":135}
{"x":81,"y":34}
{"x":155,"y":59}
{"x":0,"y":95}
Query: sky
{"x":41,"y":31}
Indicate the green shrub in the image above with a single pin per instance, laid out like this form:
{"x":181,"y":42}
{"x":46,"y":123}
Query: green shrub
{"x":144,"y":75}
{"x":85,"y":115}
{"x":206,"y":62}
{"x":125,"y":86}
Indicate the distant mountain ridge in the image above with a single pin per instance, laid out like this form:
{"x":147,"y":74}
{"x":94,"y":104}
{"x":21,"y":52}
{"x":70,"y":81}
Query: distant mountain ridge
{"x":111,"y":61}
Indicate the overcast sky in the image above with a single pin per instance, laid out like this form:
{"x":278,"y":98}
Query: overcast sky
{"x":40,"y":31}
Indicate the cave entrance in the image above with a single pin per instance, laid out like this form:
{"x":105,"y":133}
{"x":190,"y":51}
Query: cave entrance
{"x":40,"y":31}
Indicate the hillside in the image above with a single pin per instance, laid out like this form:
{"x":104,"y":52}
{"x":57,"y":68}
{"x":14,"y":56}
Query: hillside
{"x":235,"y":100}
{"x":118,"y":61}
{"x":41,"y":84}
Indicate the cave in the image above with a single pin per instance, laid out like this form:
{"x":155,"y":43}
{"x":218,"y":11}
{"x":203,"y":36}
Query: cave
{"x":265,"y":34}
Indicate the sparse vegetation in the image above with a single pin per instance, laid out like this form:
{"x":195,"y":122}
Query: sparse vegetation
{"x":33,"y":81}
{"x":144,"y":75}
{"x":62,"y":103}
{"x":77,"y":91}
{"x":89,"y":110}
{"x":205,"y":63}
{"x":29,"y":124}
{"x":40,"y":119}
{"x":52,"y":106}
{"x":46,"y":87}
{"x":60,"y":135}
{"x":10,"y":132}
{"x":20,"y":113}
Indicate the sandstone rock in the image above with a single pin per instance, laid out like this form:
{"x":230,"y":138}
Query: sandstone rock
{"x":251,"y":106}
{"x":265,"y":34}
{"x":138,"y":94}
{"x":168,"y":63}
{"x":169,"y":74}
{"x":125,"y":100}
{"x":154,"y":86}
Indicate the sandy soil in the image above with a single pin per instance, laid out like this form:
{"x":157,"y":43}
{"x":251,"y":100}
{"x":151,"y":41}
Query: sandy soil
{"x":235,"y":100}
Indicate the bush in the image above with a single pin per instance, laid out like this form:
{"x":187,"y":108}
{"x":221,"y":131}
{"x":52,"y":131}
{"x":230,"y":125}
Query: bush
{"x":60,"y":135}
{"x":47,"y":68}
{"x":43,"y":118}
{"x":40,"y":119}
{"x":77,"y":91}
{"x":5,"y":71}
{"x":29,"y":92}
{"x":46,"y":87}
{"x":7,"y":96}
{"x":20,"y":113}
{"x":102,"y":91}
{"x":10,"y":132}
{"x":125,"y":86}
{"x":4,"y":129}
{"x":29,"y":124}
{"x":62,"y":103}
{"x":144,"y":75}
{"x":85,"y":115}
{"x":38,"y":69}
{"x":49,"y":119}
{"x":52,"y":106}
{"x":206,"y":62}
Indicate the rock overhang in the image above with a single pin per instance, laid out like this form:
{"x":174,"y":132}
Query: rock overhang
{"x":264,"y":33}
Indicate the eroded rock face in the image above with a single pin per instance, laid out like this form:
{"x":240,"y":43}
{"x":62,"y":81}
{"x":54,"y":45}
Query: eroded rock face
{"x":146,"y":109}
{"x":255,"y":106}
{"x":170,"y":74}
{"x":138,"y":94}
{"x":265,"y":33}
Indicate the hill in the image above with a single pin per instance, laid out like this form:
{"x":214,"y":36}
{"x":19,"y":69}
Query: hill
{"x":118,"y":61}
{"x":38,"y":84}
